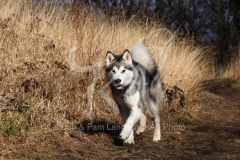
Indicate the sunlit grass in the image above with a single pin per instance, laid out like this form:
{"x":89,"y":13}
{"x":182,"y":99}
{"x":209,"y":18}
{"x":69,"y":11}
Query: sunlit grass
{"x":35,"y":43}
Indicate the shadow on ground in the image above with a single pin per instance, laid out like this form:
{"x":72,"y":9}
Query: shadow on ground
{"x":110,"y":129}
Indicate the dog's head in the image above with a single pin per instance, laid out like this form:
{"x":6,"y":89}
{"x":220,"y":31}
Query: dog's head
{"x":119,"y":69}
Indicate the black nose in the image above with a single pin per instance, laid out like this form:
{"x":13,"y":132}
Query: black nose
{"x":117,"y":80}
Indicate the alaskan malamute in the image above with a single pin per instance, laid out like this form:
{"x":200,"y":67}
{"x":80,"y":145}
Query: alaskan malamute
{"x":135,"y":83}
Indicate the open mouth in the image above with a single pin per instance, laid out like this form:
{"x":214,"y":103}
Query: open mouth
{"x":119,"y":87}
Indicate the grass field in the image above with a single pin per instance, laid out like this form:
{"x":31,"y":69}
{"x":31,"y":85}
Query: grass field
{"x":48,"y":71}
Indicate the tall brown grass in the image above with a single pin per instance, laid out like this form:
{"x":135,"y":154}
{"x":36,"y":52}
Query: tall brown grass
{"x":233,"y":69}
{"x":37,"y":84}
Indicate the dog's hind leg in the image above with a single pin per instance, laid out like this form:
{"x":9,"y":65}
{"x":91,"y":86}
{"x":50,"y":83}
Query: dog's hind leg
{"x":142,"y":125}
{"x":157,"y":131}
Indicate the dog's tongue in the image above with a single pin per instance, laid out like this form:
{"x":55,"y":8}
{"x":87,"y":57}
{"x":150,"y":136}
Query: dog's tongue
{"x":119,"y":87}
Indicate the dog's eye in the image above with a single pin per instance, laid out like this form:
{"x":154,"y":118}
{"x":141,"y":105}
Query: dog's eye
{"x":123,"y":71}
{"x":113,"y":71}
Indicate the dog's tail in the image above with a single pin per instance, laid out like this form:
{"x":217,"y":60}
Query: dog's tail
{"x":141,"y":54}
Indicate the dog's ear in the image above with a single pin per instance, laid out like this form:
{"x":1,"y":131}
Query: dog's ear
{"x":109,"y":58}
{"x":127,"y":57}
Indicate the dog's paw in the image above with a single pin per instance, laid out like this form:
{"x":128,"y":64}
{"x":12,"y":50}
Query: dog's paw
{"x":129,"y":141}
{"x":124,"y":135}
{"x":156,"y":138}
{"x":140,"y":129}
{"x":125,"y":132}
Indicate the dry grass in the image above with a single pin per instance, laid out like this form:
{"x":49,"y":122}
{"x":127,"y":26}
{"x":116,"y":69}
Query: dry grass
{"x":38,"y":86}
{"x":233,"y":69}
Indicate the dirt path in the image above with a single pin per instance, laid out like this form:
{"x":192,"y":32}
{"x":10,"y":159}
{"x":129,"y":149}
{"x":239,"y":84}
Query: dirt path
{"x":214,"y":133}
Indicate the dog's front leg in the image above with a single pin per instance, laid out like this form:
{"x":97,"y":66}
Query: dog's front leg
{"x":135,"y":114}
{"x":134,"y":117}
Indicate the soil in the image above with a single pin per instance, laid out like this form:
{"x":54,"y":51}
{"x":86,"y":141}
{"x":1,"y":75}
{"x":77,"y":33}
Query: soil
{"x":212,"y":133}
